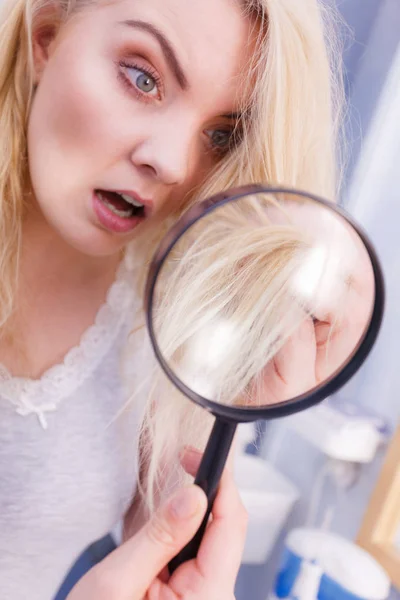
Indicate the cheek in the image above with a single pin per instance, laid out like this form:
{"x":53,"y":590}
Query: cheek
{"x":71,"y":128}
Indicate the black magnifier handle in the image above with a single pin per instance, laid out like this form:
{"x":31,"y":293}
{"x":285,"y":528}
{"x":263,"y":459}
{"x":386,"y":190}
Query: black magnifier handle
{"x":208,"y":478}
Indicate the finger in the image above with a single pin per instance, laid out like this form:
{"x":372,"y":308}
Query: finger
{"x":295,"y":363}
{"x":338,"y":338}
{"x":163,"y":576}
{"x":190,"y":460}
{"x":160,"y":590}
{"x":292,"y":370}
{"x":135,"y":564}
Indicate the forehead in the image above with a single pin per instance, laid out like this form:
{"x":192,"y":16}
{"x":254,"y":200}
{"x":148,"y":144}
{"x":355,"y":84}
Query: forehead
{"x":213,"y":39}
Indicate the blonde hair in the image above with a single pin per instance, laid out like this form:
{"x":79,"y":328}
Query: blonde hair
{"x":296,"y":95}
{"x":292,"y":138}
{"x":242,"y":306}
{"x":240,"y":283}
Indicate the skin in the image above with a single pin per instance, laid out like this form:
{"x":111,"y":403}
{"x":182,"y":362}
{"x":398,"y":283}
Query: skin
{"x":88,"y":130}
{"x":210,"y":576}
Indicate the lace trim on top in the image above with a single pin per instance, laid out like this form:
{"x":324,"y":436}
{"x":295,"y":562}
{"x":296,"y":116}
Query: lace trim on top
{"x":39,"y":396}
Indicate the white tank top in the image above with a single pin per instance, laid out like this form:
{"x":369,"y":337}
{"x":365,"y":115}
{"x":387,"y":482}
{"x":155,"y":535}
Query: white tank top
{"x":68,"y":467}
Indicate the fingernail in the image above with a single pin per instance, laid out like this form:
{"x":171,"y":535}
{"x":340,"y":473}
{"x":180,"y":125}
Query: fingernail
{"x":189,"y":450}
{"x":193,"y":449}
{"x":185,"y":503}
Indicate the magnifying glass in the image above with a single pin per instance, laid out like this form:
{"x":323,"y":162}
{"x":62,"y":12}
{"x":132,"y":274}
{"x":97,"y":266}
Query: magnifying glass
{"x":260,"y":302}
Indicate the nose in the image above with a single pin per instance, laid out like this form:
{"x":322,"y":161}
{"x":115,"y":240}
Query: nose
{"x":166,"y":154}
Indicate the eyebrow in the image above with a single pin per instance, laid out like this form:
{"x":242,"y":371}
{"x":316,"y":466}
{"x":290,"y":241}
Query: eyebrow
{"x":166,"y":47}
{"x":234,"y":116}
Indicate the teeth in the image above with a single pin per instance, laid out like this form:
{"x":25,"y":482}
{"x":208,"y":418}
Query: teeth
{"x":116,"y":211}
{"x":132,"y":201}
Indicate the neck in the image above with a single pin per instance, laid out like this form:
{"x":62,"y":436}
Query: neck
{"x":46,"y":257}
{"x":59,"y":293}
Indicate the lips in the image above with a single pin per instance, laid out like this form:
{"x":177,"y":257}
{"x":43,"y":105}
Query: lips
{"x":120,"y":211}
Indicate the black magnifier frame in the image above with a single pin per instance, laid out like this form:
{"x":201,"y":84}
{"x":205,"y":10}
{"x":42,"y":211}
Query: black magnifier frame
{"x":303,"y":401}
{"x":228,"y":417}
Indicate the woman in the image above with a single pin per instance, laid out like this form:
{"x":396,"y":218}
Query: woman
{"x":115,"y":117}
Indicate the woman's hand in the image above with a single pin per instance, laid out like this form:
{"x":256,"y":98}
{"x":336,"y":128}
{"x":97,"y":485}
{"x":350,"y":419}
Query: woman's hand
{"x":336,"y":285}
{"x":137,"y":569}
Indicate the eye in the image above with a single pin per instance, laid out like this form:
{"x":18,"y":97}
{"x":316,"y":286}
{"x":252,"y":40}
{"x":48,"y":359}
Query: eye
{"x":145,"y":83}
{"x":142,"y":80}
{"x":220,"y":138}
{"x":223,"y":141}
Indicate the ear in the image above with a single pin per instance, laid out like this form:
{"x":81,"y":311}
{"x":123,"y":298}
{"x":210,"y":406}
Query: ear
{"x":44,"y":33}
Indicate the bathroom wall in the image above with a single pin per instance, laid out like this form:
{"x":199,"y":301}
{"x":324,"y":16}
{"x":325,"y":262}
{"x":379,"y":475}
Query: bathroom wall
{"x":374,"y":26}
{"x":373,"y":184}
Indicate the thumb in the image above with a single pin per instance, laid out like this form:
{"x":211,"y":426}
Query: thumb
{"x":131,"y":568}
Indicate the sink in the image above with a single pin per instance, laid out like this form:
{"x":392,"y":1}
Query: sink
{"x":269,"y":498}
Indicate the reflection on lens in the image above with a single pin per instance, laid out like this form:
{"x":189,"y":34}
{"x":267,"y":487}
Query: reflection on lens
{"x":263,"y":299}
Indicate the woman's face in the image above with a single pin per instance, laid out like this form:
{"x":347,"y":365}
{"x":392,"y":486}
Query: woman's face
{"x":135,"y":97}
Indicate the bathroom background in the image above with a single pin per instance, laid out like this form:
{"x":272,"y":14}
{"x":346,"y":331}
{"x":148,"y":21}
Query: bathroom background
{"x":372,"y":61}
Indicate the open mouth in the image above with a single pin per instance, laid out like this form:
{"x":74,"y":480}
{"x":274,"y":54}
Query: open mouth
{"x":119,"y":212}
{"x":121,"y":205}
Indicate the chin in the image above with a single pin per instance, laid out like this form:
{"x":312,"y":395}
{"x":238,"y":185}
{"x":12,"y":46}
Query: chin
{"x":95,"y":242}
{"x":87,"y":238}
